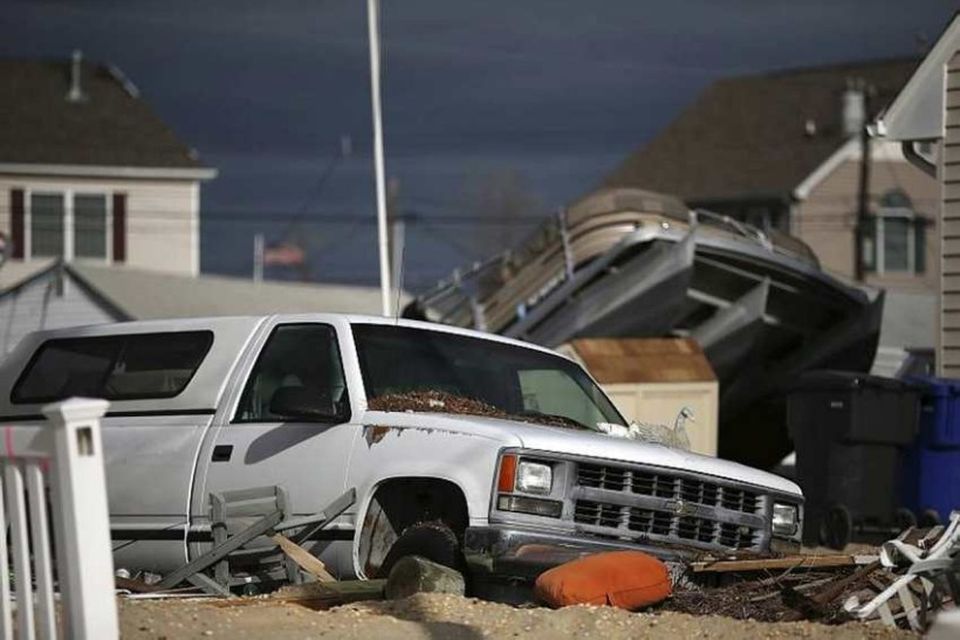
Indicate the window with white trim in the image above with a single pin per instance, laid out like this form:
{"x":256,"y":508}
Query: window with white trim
{"x":894,"y":239}
{"x":69,"y":225}
{"x":46,"y":225}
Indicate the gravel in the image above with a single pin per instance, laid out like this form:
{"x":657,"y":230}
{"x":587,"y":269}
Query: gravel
{"x":442,"y":616}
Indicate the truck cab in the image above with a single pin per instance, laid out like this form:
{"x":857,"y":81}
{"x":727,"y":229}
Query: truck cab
{"x":490,"y":452}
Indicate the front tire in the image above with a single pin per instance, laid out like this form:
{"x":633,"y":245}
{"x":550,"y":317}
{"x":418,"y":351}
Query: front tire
{"x":434,"y":541}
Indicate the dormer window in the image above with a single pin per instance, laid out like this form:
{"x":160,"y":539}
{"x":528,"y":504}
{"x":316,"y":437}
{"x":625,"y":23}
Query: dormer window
{"x":894,"y":240}
{"x":69,"y":225}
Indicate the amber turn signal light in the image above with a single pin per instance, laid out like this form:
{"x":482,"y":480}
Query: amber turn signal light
{"x":508,"y":471}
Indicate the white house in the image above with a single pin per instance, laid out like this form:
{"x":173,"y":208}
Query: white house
{"x":88,"y":173}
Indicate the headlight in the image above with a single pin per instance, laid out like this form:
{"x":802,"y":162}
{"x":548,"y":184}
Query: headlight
{"x":784,"y":519}
{"x":534,"y":477}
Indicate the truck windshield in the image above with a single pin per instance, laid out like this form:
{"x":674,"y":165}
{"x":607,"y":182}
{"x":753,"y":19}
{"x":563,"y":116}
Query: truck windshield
{"x":408,"y":369}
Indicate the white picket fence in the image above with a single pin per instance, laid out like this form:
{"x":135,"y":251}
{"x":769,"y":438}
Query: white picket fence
{"x":64,"y":455}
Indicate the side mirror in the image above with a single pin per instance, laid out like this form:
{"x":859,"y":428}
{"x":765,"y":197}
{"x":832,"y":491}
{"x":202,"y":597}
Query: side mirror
{"x":299,"y":402}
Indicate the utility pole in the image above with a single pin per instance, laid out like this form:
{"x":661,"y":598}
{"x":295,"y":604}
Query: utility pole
{"x":863,"y":192}
{"x":373,"y":24}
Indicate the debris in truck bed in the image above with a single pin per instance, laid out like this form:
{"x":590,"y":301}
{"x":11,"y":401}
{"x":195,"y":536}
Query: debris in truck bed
{"x":432,"y":401}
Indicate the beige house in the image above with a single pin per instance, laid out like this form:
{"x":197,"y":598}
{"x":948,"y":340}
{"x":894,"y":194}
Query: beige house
{"x":781,"y":151}
{"x":88,"y":173}
{"x":900,"y":247}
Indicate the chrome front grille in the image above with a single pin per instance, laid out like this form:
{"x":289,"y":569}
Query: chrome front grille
{"x":639,"y":504}
{"x":665,"y":485}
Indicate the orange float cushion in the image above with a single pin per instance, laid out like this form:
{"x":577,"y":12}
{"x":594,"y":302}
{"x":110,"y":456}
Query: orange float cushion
{"x":626,"y":579}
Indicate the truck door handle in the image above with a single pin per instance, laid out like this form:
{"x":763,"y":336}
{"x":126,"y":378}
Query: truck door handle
{"x":222,"y":453}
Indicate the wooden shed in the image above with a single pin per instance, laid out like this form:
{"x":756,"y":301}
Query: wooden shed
{"x":652,"y":379}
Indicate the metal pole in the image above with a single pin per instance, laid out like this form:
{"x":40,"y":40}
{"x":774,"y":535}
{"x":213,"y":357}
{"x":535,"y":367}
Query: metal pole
{"x":258,"y":257}
{"x":373,"y":23}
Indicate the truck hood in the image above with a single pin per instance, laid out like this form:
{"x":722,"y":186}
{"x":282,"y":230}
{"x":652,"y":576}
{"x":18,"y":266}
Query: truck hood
{"x":510,"y":433}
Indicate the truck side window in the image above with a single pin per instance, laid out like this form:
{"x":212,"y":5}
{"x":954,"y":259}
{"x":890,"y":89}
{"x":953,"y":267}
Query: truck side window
{"x":133,"y":366}
{"x":302,"y":356}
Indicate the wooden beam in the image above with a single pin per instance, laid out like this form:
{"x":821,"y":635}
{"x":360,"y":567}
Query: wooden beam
{"x":788,"y":562}
{"x":304,"y":559}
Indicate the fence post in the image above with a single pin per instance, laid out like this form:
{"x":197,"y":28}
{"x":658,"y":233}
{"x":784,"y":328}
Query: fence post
{"x":81,"y":520}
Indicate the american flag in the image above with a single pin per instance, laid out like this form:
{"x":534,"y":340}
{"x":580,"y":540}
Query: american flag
{"x":285,"y":254}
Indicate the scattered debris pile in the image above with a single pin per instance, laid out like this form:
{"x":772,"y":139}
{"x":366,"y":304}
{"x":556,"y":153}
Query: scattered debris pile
{"x":779,"y":598}
{"x":925,"y":570}
{"x":912,"y":578}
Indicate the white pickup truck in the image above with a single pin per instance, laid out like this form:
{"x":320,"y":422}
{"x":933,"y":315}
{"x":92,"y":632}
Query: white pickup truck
{"x":464,"y":447}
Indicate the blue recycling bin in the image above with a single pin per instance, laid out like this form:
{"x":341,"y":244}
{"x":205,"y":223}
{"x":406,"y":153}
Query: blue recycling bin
{"x":930,"y":480}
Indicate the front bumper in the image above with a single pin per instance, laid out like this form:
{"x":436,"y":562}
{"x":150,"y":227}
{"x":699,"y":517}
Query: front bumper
{"x":514,"y":552}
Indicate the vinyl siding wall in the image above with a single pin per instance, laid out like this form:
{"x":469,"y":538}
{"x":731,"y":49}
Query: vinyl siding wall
{"x":948,"y":358}
{"x":46,"y":303}
{"x":163,"y":226}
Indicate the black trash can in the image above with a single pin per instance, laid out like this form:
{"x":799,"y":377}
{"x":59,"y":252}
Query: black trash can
{"x":848,"y":430}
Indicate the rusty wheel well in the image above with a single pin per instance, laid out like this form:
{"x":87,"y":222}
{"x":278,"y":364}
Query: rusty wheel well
{"x":402,"y":502}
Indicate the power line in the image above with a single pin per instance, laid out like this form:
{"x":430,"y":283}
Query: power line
{"x":260,"y":217}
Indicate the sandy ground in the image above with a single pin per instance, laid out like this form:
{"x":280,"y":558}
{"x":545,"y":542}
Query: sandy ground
{"x":436,"y":617}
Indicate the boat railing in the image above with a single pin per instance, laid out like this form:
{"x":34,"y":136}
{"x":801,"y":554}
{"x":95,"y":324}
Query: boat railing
{"x":738,"y":227}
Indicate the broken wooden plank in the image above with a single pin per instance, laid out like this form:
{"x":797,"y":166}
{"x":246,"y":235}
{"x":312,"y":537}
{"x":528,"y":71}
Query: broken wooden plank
{"x":315,"y":595}
{"x":833,"y":591}
{"x":788,"y":562}
{"x":304,"y":559}
{"x":329,"y":594}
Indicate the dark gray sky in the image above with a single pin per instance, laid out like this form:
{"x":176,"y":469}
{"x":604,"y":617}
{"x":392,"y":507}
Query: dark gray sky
{"x":545,"y":94}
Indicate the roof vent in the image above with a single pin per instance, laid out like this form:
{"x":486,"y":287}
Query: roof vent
{"x":854,"y":108}
{"x":76,"y":90}
{"x":810,"y":127}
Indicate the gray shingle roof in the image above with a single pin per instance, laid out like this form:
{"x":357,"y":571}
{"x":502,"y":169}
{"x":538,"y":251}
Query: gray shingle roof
{"x":14,"y":273}
{"x":150,"y":295}
{"x":111,"y":127}
{"x":746,"y":137}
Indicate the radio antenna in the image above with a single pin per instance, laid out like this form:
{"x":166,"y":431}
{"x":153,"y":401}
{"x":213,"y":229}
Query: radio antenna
{"x":403,"y":251}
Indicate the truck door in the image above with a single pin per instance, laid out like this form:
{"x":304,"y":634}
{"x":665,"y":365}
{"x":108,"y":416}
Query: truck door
{"x":271,"y":438}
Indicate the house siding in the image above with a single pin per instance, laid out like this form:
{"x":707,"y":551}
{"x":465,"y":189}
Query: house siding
{"x":48,"y":302}
{"x":825,"y":220}
{"x":162,"y":216}
{"x":948,"y":347}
